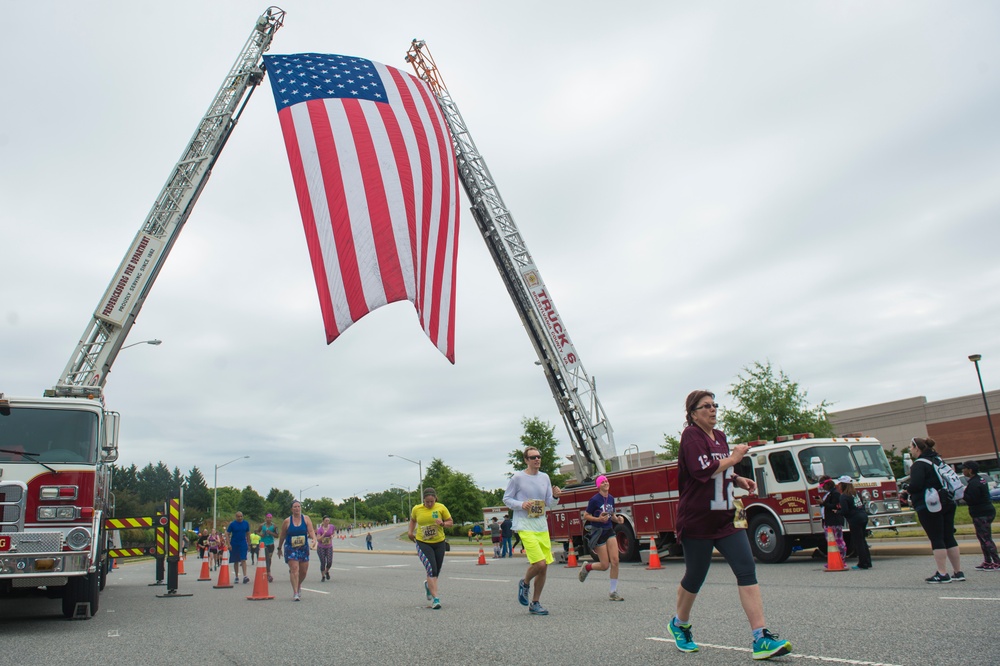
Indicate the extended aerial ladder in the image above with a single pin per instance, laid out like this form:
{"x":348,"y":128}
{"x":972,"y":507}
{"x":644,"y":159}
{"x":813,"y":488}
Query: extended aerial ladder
{"x":573,"y":390}
{"x":94,"y":355}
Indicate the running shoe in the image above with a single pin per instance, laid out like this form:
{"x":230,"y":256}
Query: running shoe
{"x":985,"y":566}
{"x":768,"y":646}
{"x":614,"y":596}
{"x":584,"y":572}
{"x":938,"y":578}
{"x":958,"y":576}
{"x":246,"y":579}
{"x":682,"y":637}
{"x":270,"y":579}
{"x":436,"y":603}
{"x":296,"y":597}
{"x":537,"y":609}
{"x":522,"y":592}
{"x":428,"y":591}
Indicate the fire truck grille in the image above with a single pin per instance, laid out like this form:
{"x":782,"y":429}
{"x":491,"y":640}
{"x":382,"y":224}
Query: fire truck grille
{"x":12,"y":498}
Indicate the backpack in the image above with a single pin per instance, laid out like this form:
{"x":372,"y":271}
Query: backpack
{"x":951,"y":483}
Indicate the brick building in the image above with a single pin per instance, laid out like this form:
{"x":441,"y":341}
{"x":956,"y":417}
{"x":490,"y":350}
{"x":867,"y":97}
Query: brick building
{"x":957,"y":425}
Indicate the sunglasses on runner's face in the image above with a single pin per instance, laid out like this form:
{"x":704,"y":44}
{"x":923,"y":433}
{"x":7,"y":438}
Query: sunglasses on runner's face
{"x":534,"y":457}
{"x":708,"y":405}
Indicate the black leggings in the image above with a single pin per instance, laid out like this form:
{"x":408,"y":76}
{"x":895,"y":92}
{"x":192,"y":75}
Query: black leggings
{"x":431,"y":556}
{"x":735,"y":548}
{"x":939,"y":527}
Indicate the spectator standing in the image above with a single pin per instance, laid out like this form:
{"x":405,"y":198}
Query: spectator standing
{"x":297,"y":537}
{"x":495,"y":537}
{"x":982,"y":512}
{"x":853,"y":511}
{"x":324,"y":547}
{"x":368,"y":541}
{"x":529,"y":494}
{"x":426,"y":529}
{"x":937,"y":518}
{"x":506,"y":534}
{"x":268,"y":533}
{"x":239,"y":544}
{"x":600,"y":517}
{"x":707,"y":520}
{"x":832,"y":519}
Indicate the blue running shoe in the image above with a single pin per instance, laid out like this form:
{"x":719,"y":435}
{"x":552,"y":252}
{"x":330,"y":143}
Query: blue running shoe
{"x":436,"y":603}
{"x":682,"y":637}
{"x":537,"y":609}
{"x":522,"y":592}
{"x":768,"y":646}
{"x":428,"y":591}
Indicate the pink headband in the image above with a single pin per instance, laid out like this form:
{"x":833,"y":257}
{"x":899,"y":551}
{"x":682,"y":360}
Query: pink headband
{"x":601,"y":479}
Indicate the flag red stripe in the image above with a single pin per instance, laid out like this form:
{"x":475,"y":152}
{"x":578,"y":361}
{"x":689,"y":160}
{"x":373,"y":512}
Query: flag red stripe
{"x":308,"y":223}
{"x":340,"y":219}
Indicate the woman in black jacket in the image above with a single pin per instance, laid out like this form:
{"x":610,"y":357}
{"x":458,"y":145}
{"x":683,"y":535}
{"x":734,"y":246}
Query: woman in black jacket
{"x":939,"y":525}
{"x":832,"y":519}
{"x":982,"y":512}
{"x":854,"y":513}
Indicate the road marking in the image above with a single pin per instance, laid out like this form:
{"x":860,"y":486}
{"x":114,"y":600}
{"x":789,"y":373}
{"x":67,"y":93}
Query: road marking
{"x":113,"y":633}
{"x":307,"y":589}
{"x":970,"y":598}
{"x":385,"y":566}
{"x":482,"y":580}
{"x":792,"y":655}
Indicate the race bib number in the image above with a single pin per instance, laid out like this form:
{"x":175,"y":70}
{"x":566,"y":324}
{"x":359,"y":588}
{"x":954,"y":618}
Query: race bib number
{"x":536,"y":509}
{"x":326,"y":540}
{"x":429,"y":532}
{"x":298,"y":541}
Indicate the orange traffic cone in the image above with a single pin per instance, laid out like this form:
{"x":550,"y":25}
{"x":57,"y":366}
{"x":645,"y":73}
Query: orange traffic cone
{"x":654,"y":555}
{"x":204,"y":571}
{"x":571,"y":559}
{"x":260,"y":586}
{"x":223,"y":578}
{"x":180,"y":566}
{"x":114,"y":563}
{"x":834,"y":562}
{"x":482,"y":557}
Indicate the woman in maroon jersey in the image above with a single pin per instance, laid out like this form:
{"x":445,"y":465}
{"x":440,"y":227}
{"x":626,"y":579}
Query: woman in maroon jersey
{"x":706,"y":516}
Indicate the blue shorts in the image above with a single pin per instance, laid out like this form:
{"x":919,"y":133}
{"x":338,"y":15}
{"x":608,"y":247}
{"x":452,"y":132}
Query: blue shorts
{"x":300,"y":554}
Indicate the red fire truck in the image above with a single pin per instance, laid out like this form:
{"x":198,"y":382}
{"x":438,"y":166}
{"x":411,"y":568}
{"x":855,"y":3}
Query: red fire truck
{"x":56,"y":450}
{"x":783,"y":515}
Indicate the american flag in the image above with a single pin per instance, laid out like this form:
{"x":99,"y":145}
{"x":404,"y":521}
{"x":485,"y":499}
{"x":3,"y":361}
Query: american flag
{"x":377,"y":186}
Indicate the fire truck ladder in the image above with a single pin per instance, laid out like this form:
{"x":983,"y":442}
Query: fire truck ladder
{"x":94,"y":355}
{"x":573,"y":390}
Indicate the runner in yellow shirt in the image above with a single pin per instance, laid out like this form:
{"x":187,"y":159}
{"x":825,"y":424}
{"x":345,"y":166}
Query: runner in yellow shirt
{"x":427,"y":523}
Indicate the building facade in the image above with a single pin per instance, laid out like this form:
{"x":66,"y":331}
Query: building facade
{"x":958,"y":426}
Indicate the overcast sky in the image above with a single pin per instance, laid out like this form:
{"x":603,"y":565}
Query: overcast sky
{"x":702,"y":185}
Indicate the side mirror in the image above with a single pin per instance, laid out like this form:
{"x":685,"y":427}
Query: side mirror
{"x":816,"y":466}
{"x":109,"y":450}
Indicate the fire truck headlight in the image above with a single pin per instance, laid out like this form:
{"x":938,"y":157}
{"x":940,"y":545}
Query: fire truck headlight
{"x":866,"y":496}
{"x":78,"y":538}
{"x":56,"y":512}
{"x":872,"y":508}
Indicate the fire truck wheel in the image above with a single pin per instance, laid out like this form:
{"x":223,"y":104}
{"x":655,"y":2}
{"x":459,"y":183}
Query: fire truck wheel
{"x":767,"y":542}
{"x":628,"y":545}
{"x":81,"y":589}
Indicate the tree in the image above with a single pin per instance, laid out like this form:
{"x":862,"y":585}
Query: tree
{"x":251,"y":504}
{"x":279,"y":502}
{"x":671,"y":447}
{"x":197,"y":496}
{"x":540,"y":435}
{"x":770,"y":406}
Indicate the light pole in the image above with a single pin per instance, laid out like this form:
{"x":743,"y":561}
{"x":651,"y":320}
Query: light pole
{"x":409,"y":503}
{"x":355,"y":498}
{"x":975,"y":359}
{"x":305,"y":489}
{"x":420,"y":465}
{"x":143,"y":342}
{"x":215,"y":498}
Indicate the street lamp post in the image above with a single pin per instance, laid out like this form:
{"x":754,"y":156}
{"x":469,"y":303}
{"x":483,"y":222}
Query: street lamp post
{"x":143,"y":342}
{"x":420,"y":465}
{"x":409,"y":503}
{"x":215,"y":498}
{"x":305,"y":489}
{"x":975,"y":359}
{"x":355,"y":498}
